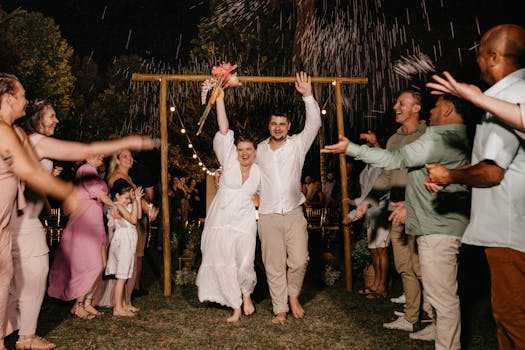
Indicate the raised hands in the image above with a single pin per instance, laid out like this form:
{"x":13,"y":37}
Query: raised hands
{"x":303,"y":84}
{"x":449,"y":85}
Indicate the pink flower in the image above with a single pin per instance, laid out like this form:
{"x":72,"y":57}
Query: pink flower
{"x":222,"y":78}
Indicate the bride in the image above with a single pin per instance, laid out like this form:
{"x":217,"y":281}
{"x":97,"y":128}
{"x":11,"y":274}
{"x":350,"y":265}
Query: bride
{"x":226,"y":274}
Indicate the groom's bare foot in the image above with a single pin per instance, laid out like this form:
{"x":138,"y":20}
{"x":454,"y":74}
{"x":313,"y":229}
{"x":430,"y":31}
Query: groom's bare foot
{"x":235,"y":317}
{"x":280,"y":318}
{"x":247,"y":305}
{"x":297,"y":309}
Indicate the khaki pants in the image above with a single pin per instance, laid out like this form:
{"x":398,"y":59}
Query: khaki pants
{"x":284,"y":245}
{"x":406,"y":260}
{"x":438,"y":256}
{"x":507,"y":273}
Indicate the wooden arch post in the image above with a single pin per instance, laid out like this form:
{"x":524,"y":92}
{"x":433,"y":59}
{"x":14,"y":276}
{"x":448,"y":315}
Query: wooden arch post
{"x":164,"y":78}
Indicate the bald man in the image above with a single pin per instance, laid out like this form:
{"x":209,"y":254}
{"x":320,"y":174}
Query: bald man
{"x":497,"y":175}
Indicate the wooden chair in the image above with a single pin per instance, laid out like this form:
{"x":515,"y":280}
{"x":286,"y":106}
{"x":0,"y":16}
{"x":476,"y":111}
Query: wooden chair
{"x":331,"y":225}
{"x":53,"y":226}
{"x":314,"y":219}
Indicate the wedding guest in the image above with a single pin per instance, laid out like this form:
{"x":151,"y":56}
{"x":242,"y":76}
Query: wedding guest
{"x":19,"y":162}
{"x":81,"y":254}
{"x":30,"y":251}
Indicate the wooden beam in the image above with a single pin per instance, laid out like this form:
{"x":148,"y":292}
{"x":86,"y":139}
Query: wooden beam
{"x":344,"y":190}
{"x":164,"y":180}
{"x":247,"y":79}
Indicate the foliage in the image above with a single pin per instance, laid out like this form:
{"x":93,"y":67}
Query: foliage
{"x":32,"y":48}
{"x":361,"y":256}
{"x":191,"y":237}
{"x":185,"y":277}
{"x":330,"y":275}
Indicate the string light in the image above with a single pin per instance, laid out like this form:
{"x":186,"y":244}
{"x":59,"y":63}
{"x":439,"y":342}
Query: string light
{"x":190,"y":144}
{"x":323,"y":111}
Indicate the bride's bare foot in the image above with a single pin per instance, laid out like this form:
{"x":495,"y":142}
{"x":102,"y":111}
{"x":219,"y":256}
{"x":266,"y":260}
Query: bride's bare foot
{"x":247,"y":305}
{"x":235,"y":317}
{"x":123,"y":313}
{"x":297,"y":309}
{"x":280,"y":318}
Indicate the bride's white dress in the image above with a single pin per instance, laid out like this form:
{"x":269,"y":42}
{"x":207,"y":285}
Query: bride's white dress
{"x":228,"y":238}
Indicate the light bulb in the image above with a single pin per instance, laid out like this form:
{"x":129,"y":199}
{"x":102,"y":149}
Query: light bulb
{"x":182,"y":131}
{"x":190,"y":145}
{"x":200,"y":163}
{"x":323,"y":112}
{"x":172,"y":108}
{"x":194,"y":156}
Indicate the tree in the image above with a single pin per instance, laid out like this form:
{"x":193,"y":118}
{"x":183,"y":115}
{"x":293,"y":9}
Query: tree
{"x":32,"y":48}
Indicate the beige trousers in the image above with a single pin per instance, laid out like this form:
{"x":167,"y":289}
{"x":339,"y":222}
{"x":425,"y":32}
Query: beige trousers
{"x":284,"y":245}
{"x":438,"y":256}
{"x":6,"y":273}
{"x":406,"y":260}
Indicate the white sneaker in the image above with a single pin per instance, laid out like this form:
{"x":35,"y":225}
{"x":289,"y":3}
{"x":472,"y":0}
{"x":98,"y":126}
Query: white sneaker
{"x":401,"y":323}
{"x":400,"y":299}
{"x":427,"y":334}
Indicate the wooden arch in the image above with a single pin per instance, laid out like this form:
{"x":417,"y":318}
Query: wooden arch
{"x":163,"y":80}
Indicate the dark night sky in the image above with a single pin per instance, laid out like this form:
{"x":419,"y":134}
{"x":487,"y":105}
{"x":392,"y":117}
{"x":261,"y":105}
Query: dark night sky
{"x":158,"y":27}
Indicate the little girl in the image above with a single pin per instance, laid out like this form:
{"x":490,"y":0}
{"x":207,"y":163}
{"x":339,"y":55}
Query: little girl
{"x":123,"y":245}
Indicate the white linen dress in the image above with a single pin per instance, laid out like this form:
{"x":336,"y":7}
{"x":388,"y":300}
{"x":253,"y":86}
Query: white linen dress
{"x":228,"y":239}
{"x":121,"y":257}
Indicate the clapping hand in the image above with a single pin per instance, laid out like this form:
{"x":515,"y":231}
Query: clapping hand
{"x":138,"y":193}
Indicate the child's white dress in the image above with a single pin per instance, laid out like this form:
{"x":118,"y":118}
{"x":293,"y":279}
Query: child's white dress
{"x":121,"y":256}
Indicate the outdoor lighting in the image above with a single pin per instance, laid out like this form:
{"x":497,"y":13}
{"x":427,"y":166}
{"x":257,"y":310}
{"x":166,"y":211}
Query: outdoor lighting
{"x":203,"y":168}
{"x":323,"y":111}
{"x":200,"y":163}
{"x":334,"y":83}
{"x":194,"y":156}
{"x":182,"y":131}
{"x":190,"y":145}
{"x":172,"y":108}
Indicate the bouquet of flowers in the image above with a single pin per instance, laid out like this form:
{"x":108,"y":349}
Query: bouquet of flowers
{"x":222,"y":78}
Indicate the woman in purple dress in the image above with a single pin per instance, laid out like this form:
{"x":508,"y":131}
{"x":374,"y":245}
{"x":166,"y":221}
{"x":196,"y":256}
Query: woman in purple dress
{"x":80,"y":257}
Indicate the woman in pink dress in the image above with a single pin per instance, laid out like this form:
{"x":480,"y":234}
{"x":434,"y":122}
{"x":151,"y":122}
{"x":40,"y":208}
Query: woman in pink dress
{"x":79,"y":259}
{"x":18,"y":161}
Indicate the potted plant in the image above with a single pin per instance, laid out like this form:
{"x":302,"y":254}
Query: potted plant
{"x":362,"y":261}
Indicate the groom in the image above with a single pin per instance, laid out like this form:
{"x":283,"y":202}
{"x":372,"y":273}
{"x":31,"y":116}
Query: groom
{"x":282,"y":225}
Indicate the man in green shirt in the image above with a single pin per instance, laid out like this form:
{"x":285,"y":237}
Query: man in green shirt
{"x":438,"y":219}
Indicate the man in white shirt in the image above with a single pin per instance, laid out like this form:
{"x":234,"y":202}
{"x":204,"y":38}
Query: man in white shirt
{"x":282,"y":225}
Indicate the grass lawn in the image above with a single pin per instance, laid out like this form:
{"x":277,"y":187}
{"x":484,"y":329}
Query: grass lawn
{"x":335,"y":319}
